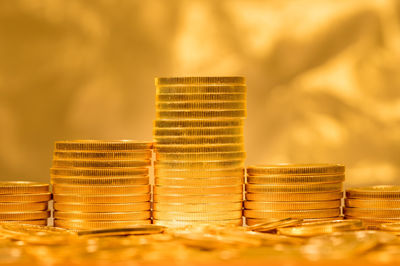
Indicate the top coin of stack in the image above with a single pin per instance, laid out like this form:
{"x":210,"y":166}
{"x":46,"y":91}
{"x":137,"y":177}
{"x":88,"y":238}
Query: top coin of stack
{"x":24,"y":202}
{"x":198,"y":133}
{"x":374,"y":205}
{"x":293,"y":191}
{"x":101,"y":184}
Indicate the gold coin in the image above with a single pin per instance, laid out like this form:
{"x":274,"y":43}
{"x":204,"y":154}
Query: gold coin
{"x":19,"y":198}
{"x":372,"y":203}
{"x":211,"y":105}
{"x":41,"y":222}
{"x":199,"y":173}
{"x":100,"y":163}
{"x":198,"y":165}
{"x":173,"y":223}
{"x":22,"y":187}
{"x":212,"y":181}
{"x":320,"y":228}
{"x":374,"y":192}
{"x":97,"y":181}
{"x":197,"y":216}
{"x":215,"y":156}
{"x":300,"y":196}
{"x":197,"y":131}
{"x":198,"y":97}
{"x":221,"y":88}
{"x":368,"y":212}
{"x":195,"y":190}
{"x":291,"y":206}
{"x":295,"y":179}
{"x":107,"y":190}
{"x":183,"y":114}
{"x":89,"y":155}
{"x":324,"y":213}
{"x":273,"y":225}
{"x":106,"y":172}
{"x":220,"y":139}
{"x":256,"y":221}
{"x":86,"y":225}
{"x":22,"y":207}
{"x":197,"y":207}
{"x":131,"y":230}
{"x":295,"y":169}
{"x":26,"y":215}
{"x":165,"y":81}
{"x":189,"y":123}
{"x":127,"y":198}
{"x":394,"y":227}
{"x":209,"y":148}
{"x":102,"y":216}
{"x":102,"y":145}
{"x":178,"y":198}
{"x":113,"y":207}
{"x":327,"y":187}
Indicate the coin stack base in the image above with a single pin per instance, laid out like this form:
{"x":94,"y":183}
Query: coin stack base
{"x":24,"y":202}
{"x":310,"y":192}
{"x":198,"y":134}
{"x":101,"y":184}
{"x":374,"y":205}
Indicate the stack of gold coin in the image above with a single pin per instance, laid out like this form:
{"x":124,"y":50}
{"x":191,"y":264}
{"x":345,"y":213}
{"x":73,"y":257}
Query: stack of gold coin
{"x":310,"y":191}
{"x":374,"y":205}
{"x":199,"y":167}
{"x":24,"y":202}
{"x":101,"y":184}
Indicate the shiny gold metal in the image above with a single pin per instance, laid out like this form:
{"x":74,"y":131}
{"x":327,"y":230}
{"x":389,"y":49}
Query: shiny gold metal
{"x":298,"y":169}
{"x":140,"y":155}
{"x":394,"y":227}
{"x":302,"y":214}
{"x":198,"y":97}
{"x":197,"y":131}
{"x":204,"y":156}
{"x":112,"y":207}
{"x":189,"y":123}
{"x":212,"y":181}
{"x":23,"y":187}
{"x":219,"y":139}
{"x":203,"y":105}
{"x":101,"y":181}
{"x":374,"y":192}
{"x":207,"y":148}
{"x":192,"y":89}
{"x":22,"y":207}
{"x":25,"y":215}
{"x":86,"y":225}
{"x":373,"y":203}
{"x":126,"y":198}
{"x":295,"y":179}
{"x":256,"y":221}
{"x":368,"y":212}
{"x":100,"y":163}
{"x":302,"y":188}
{"x":208,"y":114}
{"x":102,"y":145}
{"x":20,"y":198}
{"x":195,"y":190}
{"x":217,"y":198}
{"x":175,"y":223}
{"x":197,"y":216}
{"x":198,"y":164}
{"x":167,"y":81}
{"x":199,"y":173}
{"x":102,"y":216}
{"x":197,"y":207}
{"x":40,"y":222}
{"x":273,"y":225}
{"x":131,"y":230}
{"x":282,"y":206}
{"x":106,"y":172}
{"x":284,"y":196}
{"x":100,"y":190}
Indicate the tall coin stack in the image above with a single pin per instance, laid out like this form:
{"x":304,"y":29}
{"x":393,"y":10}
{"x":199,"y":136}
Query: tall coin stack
{"x":24,"y":202}
{"x":307,"y":192}
{"x":374,"y":205}
{"x":101,"y":184}
{"x":199,"y":167}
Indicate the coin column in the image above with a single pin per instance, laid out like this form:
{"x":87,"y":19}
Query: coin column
{"x":199,"y":166}
{"x":310,"y":192}
{"x":373,"y":205}
{"x":24,"y":202}
{"x":101,"y":184}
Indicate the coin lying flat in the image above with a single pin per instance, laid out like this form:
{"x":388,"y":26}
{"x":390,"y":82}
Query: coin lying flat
{"x":211,"y":198}
{"x":299,"y":169}
{"x":41,"y":222}
{"x":198,"y":131}
{"x":195,"y":190}
{"x":204,"y":156}
{"x":164,"y":81}
{"x":256,"y":221}
{"x":284,"y":196}
{"x":368,"y":212}
{"x":91,"y":225}
{"x":394,"y":227}
{"x":295,"y":179}
{"x":374,"y":192}
{"x":218,"y":139}
{"x":221,"y":88}
{"x":131,"y":230}
{"x":292,"y":205}
{"x":22,"y":207}
{"x":100,"y":190}
{"x":174,"y":223}
{"x":102,"y":216}
{"x":97,"y":155}
{"x":211,"y":181}
{"x":304,"y":188}
{"x":106,"y":172}
{"x":184,"y":114}
{"x":196,"y":123}
{"x":197,"y":207}
{"x":207,"y":148}
{"x":105,"y":207}
{"x":126,"y":198}
{"x":203,"y":105}
{"x":100,"y":181}
{"x":26,"y":215}
{"x":272,"y":225}
{"x":22,"y":187}
{"x":324,"y":213}
{"x":373,"y":203}
{"x":20,"y":198}
{"x":100,"y":163}
{"x":103,"y":145}
{"x":198,"y":97}
{"x":195,"y":216}
{"x":199,"y":173}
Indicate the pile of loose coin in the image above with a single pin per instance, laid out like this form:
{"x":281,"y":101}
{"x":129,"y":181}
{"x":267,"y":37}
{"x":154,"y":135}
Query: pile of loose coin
{"x":374,"y":205}
{"x":199,"y":166}
{"x":24,"y":202}
{"x":101,"y":184}
{"x":311,"y":192}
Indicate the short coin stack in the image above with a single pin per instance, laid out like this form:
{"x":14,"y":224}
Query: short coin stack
{"x":101,"y":184}
{"x":24,"y":202}
{"x":199,"y":167}
{"x":374,"y":205}
{"x":311,"y":192}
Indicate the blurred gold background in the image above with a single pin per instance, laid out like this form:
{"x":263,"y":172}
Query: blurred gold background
{"x":323,"y":76}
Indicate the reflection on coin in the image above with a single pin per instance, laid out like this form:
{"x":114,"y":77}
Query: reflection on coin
{"x":197,"y":207}
{"x":292,"y":205}
{"x":98,"y":189}
{"x":111,"y":207}
{"x":126,"y":198}
{"x":131,"y":230}
{"x":188,"y":216}
{"x":284,"y":196}
{"x":22,"y":187}
{"x":91,"y":225}
{"x":299,"y":169}
{"x":103,"y":145}
{"x":102,"y":216}
{"x":179,"y":198}
{"x":324,"y":213}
